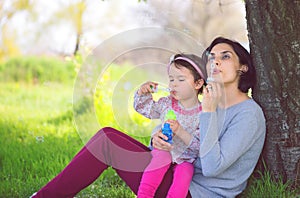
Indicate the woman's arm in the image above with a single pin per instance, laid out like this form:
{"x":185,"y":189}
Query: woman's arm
{"x":238,"y":136}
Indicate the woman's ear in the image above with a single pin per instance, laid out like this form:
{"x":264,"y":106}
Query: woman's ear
{"x":199,"y":83}
{"x":244,"y":68}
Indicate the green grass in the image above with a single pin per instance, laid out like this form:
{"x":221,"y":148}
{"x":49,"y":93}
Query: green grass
{"x":38,"y":139}
{"x":266,"y":186}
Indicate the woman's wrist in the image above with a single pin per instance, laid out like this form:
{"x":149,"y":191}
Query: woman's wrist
{"x":209,"y":110}
{"x":209,"y":107}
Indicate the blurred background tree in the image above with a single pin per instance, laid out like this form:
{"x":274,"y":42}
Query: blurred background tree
{"x":63,"y":27}
{"x":201,"y":19}
{"x":8,"y":11}
{"x":72,"y":13}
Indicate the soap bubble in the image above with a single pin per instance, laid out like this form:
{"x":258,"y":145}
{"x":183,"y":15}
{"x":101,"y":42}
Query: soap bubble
{"x":109,"y":76}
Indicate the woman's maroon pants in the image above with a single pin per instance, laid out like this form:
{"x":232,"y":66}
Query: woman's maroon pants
{"x":108,"y":147}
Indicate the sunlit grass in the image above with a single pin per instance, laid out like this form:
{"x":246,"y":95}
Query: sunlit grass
{"x":38,"y":139}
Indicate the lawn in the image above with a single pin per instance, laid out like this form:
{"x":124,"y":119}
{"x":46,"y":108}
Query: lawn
{"x":38,"y":139}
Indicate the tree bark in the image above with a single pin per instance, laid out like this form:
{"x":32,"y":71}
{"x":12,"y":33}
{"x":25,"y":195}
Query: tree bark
{"x":274,"y":35}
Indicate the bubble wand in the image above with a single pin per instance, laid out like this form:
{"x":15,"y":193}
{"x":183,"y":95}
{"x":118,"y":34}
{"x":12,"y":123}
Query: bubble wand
{"x":160,"y":88}
{"x":212,"y":68}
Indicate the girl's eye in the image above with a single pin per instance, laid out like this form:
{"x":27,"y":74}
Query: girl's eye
{"x":171,"y":80}
{"x":225,"y":56}
{"x":181,"y":80}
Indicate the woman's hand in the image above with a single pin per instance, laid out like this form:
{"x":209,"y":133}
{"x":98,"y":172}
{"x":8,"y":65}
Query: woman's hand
{"x":211,"y":97}
{"x":147,"y":87}
{"x":159,"y":143}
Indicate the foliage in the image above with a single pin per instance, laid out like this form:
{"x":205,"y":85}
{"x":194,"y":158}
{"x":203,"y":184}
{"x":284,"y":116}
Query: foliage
{"x":36,"y":70}
{"x":9,"y":46}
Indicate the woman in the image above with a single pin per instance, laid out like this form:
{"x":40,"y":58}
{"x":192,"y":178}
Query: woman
{"x":232,"y":133}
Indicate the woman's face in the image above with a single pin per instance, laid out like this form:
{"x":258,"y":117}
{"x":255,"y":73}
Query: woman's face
{"x":181,"y":83}
{"x":226,"y":64}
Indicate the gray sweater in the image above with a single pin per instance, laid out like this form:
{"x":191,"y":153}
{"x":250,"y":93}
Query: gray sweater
{"x":230,"y":145}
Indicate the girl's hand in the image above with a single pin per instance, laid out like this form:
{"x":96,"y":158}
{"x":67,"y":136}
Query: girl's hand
{"x":179,"y":131}
{"x":175,"y":126}
{"x":159,"y":143}
{"x":211,"y":97}
{"x":147,"y":88}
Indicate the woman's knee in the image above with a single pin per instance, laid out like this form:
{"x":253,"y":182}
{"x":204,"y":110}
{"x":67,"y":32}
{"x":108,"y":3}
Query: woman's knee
{"x":105,"y":132}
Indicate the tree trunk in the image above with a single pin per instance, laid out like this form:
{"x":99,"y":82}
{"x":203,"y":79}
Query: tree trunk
{"x":274,"y":35}
{"x":77,"y":44}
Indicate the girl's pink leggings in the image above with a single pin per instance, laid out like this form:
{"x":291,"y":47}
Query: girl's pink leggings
{"x":155,"y":171}
{"x":108,"y":147}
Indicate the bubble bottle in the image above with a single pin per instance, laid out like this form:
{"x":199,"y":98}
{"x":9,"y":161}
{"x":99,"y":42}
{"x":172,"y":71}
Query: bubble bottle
{"x":166,"y":129}
{"x":170,"y":115}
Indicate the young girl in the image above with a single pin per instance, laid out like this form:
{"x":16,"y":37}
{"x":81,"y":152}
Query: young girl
{"x":186,"y":78}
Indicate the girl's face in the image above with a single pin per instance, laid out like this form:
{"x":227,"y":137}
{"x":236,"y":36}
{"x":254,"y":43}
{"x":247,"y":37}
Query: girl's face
{"x":226,"y":64}
{"x":181,"y":83}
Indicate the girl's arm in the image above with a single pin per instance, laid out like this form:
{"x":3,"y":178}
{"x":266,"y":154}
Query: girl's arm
{"x":182,"y":134}
{"x":144,"y":103}
{"x":192,"y":141}
{"x":179,"y":131}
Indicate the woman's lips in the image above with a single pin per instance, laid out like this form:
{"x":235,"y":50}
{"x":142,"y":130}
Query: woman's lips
{"x":216,"y":71}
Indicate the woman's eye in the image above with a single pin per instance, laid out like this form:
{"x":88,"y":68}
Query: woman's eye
{"x":171,"y":80}
{"x":225,"y":56}
{"x":181,"y":80}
